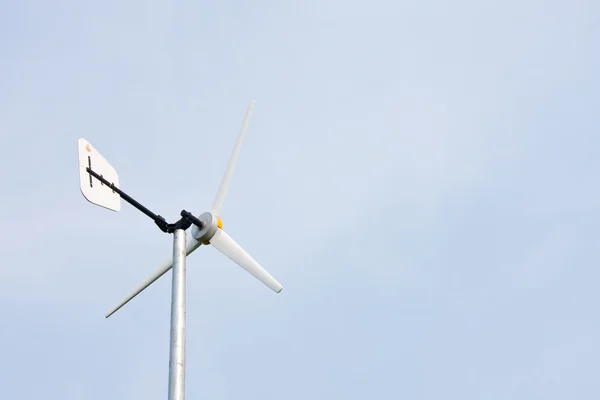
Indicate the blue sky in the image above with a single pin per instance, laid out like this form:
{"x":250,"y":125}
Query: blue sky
{"x":420,"y":176}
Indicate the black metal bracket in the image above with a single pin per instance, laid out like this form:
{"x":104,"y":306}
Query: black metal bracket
{"x":187,"y":219}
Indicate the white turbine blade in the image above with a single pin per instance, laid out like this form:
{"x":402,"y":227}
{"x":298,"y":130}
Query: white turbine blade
{"x":226,"y":245}
{"x":220,"y":198}
{"x":166,"y":265}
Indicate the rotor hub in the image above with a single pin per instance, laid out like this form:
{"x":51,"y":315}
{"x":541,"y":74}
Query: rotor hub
{"x":210,"y":224}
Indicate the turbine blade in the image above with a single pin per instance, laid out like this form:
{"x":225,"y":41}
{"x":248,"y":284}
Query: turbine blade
{"x":166,"y":265}
{"x":220,"y":197}
{"x":226,"y":245}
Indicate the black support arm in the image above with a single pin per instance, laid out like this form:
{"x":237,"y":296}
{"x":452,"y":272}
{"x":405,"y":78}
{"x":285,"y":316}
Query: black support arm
{"x":187,"y":219}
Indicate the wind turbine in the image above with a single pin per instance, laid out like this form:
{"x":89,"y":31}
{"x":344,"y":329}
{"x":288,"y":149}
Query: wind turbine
{"x":99,"y":183}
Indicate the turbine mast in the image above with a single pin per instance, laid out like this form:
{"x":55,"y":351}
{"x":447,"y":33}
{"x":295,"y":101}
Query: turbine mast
{"x":177,"y":348}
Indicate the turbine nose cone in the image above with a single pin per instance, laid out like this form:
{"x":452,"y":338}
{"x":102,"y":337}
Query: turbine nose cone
{"x":209,"y":227}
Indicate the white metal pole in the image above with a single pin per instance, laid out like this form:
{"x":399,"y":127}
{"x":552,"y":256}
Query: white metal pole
{"x":177,"y":349}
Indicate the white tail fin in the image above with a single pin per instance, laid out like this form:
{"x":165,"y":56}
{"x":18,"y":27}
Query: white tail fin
{"x":92,"y":189}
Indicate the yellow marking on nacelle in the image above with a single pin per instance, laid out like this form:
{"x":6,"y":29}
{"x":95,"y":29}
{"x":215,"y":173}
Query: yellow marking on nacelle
{"x":219,"y":223}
